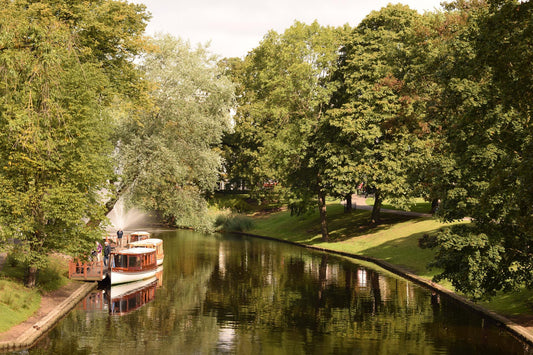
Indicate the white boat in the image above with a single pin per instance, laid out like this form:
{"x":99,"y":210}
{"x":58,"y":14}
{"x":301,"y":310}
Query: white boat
{"x":154,"y":243}
{"x":139,"y":235}
{"x":132,"y":264}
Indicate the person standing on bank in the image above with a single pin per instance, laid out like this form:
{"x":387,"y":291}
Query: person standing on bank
{"x":98,"y":251}
{"x":120,"y":233}
{"x":107,"y":251}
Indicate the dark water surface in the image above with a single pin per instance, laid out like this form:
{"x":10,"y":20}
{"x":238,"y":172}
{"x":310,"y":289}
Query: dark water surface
{"x":236,"y":295}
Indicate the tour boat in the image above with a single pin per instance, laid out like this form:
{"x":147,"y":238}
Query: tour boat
{"x":154,"y":243}
{"x":140,"y":235}
{"x":128,"y":297}
{"x":132,"y":264}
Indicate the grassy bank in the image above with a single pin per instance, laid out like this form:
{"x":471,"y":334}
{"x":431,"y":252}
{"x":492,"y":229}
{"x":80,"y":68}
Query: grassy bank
{"x":17,"y":302}
{"x":395,"y":241}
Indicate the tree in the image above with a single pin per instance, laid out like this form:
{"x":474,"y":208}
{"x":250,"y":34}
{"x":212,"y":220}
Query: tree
{"x":488,"y":108}
{"x":378,"y":117}
{"x":56,"y":69}
{"x":169,"y":154}
{"x":286,"y":90}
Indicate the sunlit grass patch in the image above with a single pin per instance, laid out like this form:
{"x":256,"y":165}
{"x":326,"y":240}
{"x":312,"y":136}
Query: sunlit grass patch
{"x":17,"y":303}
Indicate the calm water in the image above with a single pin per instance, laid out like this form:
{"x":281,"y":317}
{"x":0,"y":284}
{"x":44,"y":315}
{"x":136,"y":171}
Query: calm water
{"x":235,"y":295}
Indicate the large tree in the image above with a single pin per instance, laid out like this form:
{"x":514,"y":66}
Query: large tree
{"x":377,"y":121}
{"x":168,"y":154}
{"x":59,"y":70}
{"x":286,"y":89}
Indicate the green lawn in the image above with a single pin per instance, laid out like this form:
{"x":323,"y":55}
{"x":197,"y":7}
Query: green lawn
{"x":17,"y":302}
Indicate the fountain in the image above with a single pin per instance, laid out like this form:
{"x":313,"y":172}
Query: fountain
{"x":126,"y":219}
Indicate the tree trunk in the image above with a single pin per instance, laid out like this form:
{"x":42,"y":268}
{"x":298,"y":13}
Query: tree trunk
{"x":434,"y":205}
{"x":375,"y":219}
{"x":32,"y":277}
{"x":348,"y":207}
{"x":323,"y":216}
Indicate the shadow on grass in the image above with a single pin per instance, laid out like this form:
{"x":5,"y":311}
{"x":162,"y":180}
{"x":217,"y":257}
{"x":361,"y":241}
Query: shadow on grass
{"x":358,"y":224}
{"x":406,"y":253}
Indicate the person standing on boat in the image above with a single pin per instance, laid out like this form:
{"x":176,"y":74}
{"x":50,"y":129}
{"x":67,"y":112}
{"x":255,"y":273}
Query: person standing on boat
{"x":107,"y":251}
{"x":119,"y":237}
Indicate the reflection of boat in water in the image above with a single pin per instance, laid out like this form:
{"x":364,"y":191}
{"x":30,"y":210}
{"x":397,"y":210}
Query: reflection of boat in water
{"x":132,"y":264}
{"x":128,"y":297}
{"x":154,"y":243}
{"x":123,"y":298}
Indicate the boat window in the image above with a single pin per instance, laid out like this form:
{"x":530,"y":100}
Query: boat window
{"x":134,"y":261}
{"x":120,"y":260}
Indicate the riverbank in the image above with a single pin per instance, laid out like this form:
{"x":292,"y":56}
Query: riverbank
{"x":54,"y":305}
{"x":393,"y":246}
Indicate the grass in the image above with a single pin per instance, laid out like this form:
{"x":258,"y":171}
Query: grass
{"x":395,"y":241}
{"x":17,"y":302}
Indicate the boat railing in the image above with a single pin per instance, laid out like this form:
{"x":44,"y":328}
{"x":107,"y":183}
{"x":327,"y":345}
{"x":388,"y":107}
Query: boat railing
{"x":86,"y":270}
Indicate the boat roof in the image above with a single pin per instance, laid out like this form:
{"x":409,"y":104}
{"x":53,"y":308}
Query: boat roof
{"x":149,"y":241}
{"x":135,"y":251}
{"x":140,"y":233}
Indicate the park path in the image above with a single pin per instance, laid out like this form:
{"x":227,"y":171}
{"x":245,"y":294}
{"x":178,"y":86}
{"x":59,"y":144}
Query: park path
{"x":360,"y":202}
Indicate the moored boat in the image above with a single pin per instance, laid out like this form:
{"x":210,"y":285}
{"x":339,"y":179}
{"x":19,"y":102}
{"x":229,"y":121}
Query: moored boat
{"x":132,"y":264}
{"x":154,"y":243}
{"x":139,"y":235}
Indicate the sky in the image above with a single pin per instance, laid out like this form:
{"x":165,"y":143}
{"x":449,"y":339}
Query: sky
{"x":235,"y":27}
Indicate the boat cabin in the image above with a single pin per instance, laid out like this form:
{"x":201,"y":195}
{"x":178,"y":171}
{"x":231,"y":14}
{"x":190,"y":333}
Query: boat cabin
{"x":140,"y":235}
{"x":155,"y":243}
{"x":135,"y":259}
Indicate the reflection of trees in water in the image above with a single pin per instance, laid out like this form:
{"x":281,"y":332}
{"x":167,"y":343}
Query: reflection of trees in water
{"x":311,"y":297}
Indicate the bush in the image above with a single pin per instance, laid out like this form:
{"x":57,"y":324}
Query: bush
{"x":233,"y":223}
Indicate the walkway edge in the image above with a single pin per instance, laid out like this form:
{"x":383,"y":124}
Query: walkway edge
{"x":517,"y":330}
{"x":32,"y":335}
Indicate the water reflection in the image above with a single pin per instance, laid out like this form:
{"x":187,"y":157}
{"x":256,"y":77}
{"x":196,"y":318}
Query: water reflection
{"x":228,"y":294}
{"x":124,"y":298}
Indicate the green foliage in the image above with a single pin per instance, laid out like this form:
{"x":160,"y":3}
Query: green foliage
{"x":168,"y":153}
{"x":472,"y":262}
{"x":285,"y":88}
{"x":60,"y":68}
{"x":233,"y":223}
{"x":485,"y":115}
{"x":49,"y":278}
{"x":240,"y":203}
{"x":376,"y":129}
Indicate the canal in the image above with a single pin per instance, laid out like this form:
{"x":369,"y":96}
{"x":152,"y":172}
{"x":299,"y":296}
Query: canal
{"x":227,"y":294}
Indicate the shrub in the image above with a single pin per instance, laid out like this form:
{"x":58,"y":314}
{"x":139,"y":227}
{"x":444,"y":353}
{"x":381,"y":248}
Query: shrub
{"x":233,"y":223}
